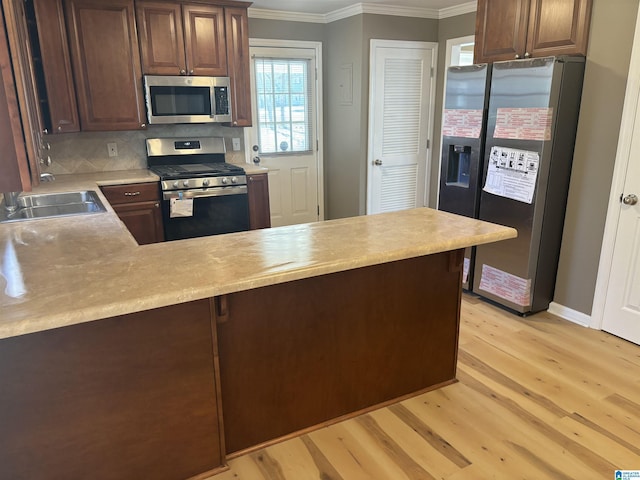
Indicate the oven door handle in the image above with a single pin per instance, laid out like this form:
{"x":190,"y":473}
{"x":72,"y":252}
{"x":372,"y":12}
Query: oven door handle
{"x":208,"y":192}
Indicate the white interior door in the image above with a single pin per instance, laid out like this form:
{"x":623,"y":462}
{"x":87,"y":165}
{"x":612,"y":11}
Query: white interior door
{"x":401,"y":91}
{"x":285,"y":137}
{"x":616,"y":306}
{"x":622,"y":304}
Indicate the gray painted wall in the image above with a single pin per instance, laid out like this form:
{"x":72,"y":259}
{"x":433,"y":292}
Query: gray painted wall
{"x":281,"y":30}
{"x":343,"y":126}
{"x":612,"y":29}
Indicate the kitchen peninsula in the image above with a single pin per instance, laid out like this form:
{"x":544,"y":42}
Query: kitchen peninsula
{"x":157,"y":361}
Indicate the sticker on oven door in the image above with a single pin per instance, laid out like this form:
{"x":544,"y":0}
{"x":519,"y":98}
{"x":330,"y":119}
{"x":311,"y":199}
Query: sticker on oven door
{"x":506,"y":285}
{"x":181,"y":208}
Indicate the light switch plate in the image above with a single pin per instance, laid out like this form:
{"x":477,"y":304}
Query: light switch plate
{"x":236,"y":144}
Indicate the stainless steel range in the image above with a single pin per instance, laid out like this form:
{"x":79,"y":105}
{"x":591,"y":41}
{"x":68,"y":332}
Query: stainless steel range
{"x":201,"y":194}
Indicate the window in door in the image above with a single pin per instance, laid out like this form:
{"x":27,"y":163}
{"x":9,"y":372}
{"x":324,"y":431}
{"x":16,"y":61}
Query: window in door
{"x":283,"y":98}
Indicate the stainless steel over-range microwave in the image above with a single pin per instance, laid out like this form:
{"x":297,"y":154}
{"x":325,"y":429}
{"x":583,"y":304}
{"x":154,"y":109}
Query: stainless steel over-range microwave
{"x":187,"y":99}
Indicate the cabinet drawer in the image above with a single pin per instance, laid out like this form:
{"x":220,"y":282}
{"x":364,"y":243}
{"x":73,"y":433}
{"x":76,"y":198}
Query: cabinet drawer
{"x":134,"y":192}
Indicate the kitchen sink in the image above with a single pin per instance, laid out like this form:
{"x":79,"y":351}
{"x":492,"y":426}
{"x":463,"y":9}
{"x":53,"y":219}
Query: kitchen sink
{"x":53,"y":205}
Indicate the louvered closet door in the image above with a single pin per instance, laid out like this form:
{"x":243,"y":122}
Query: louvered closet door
{"x":400,"y":113}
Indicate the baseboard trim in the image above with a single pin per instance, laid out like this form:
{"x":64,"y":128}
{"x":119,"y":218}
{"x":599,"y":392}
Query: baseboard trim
{"x":570,"y":314}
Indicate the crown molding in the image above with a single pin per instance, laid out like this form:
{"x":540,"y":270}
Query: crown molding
{"x":470,"y":7}
{"x":286,"y":16}
{"x":360,"y":8}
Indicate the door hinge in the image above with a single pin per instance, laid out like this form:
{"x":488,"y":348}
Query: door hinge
{"x":318,"y":210}
{"x":428,"y":143}
{"x":431,"y":72}
{"x":317,"y":145}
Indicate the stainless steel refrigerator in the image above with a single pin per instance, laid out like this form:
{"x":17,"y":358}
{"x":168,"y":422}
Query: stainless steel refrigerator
{"x":528,"y":150}
{"x":463,"y":132}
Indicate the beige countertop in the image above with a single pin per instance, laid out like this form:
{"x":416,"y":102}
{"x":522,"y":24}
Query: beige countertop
{"x":63,"y":271}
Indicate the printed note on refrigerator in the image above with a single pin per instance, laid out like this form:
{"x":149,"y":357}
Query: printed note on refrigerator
{"x":512,"y":173}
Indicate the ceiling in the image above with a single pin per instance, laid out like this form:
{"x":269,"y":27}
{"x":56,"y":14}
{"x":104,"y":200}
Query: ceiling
{"x":323,"y":7}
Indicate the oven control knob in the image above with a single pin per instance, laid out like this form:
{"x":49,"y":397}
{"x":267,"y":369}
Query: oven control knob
{"x":176,"y":184}
{"x":205,"y":182}
{"x":185,"y":183}
{"x":234,"y":179}
{"x":224,"y":180}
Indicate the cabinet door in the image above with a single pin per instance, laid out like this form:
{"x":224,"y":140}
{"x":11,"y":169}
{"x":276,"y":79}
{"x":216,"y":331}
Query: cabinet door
{"x":26,"y":91}
{"x":237,"y":28}
{"x":143,"y":220}
{"x":204,"y":40}
{"x":501,"y":30}
{"x":258,"y":191}
{"x":56,"y":64}
{"x":13,"y":157}
{"x":161,"y":38}
{"x":558,"y":28}
{"x":106,"y":61}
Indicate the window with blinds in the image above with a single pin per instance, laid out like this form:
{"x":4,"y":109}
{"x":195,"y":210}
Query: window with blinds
{"x":284,"y":105}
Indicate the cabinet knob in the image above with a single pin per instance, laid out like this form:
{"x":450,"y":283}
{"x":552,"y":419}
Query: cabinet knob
{"x":517,"y":56}
{"x":45,"y":131}
{"x":157,"y":205}
{"x":190,"y":72}
{"x":527,"y":55}
{"x":143,"y":125}
{"x":183,"y":72}
{"x":235,"y":123}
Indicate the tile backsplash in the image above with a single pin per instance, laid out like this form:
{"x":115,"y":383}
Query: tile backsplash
{"x":87,"y":152}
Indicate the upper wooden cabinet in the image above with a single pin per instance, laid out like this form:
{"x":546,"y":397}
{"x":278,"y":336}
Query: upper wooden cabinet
{"x":13,"y":158}
{"x":512,"y":29}
{"x":56,"y":66}
{"x":24,"y":160}
{"x":106,"y":64}
{"x":182,"y":39}
{"x":237,"y":29}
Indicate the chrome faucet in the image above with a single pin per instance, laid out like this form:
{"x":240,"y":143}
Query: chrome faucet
{"x":47,"y":177}
{"x":11,"y":201}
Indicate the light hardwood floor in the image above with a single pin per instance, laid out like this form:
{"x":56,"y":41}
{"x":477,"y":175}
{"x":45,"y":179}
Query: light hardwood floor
{"x":537,"y":398}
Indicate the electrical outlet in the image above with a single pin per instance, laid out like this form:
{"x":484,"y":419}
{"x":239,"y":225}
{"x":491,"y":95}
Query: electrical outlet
{"x":236,"y":144}
{"x":112,"y":148}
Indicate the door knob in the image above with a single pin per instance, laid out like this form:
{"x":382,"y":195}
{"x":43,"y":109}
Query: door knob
{"x":377,"y":162}
{"x":630,"y":199}
{"x":256,"y":160}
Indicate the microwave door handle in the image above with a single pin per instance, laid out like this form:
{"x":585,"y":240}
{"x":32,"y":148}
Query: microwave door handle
{"x":214,"y":192}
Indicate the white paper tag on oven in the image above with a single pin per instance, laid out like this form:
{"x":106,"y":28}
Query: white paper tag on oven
{"x":181,"y":208}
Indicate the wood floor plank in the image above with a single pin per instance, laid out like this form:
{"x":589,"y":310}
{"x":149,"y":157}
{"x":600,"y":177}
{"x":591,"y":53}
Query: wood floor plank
{"x":537,"y":398}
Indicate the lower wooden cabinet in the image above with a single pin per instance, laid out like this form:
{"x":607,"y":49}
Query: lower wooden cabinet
{"x":129,"y":397}
{"x":258,"y":190}
{"x":138,"y":206}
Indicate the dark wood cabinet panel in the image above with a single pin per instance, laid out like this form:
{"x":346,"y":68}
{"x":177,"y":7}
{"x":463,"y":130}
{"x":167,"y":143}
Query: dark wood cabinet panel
{"x":301,"y":353}
{"x":501,"y":30}
{"x":237,"y":33}
{"x":134,"y":396}
{"x":13,"y":156}
{"x":204,"y":40}
{"x":143,"y":220}
{"x":512,"y":29}
{"x":138,"y":206}
{"x":258,"y":191}
{"x":558,"y":27}
{"x":161,"y":38}
{"x":106,"y":64}
{"x":26,"y":92}
{"x":56,"y":65}
{"x":182,"y":39}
